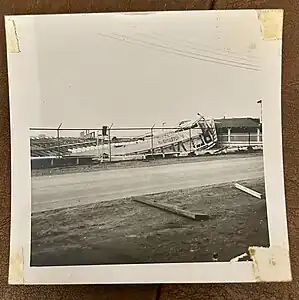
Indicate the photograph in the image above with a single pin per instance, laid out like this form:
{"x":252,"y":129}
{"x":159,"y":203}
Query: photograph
{"x":148,"y":139}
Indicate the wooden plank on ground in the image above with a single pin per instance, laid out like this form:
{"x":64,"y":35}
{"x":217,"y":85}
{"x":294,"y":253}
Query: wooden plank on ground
{"x":174,"y":209}
{"x":249,"y":191}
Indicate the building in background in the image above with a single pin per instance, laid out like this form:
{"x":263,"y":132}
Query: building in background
{"x":239,"y":132}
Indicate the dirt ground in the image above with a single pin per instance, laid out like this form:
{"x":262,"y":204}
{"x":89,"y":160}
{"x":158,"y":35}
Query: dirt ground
{"x":137,"y":163}
{"x":124,"y":231}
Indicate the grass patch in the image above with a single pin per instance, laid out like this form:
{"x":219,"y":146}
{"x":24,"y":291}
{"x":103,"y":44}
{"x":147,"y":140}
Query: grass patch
{"x":123,"y":231}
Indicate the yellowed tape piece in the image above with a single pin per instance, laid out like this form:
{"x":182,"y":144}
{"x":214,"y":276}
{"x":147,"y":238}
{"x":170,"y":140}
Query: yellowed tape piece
{"x":16,"y":267}
{"x":271,"y":22}
{"x":270,"y":264}
{"x":12,"y":40}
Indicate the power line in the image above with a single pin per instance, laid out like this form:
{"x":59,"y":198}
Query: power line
{"x":214,"y":60}
{"x":209,"y":49}
{"x":182,"y":53}
{"x":206,"y":46}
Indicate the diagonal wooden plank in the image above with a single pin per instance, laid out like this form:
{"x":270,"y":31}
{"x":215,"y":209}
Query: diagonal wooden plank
{"x":175,"y":210}
{"x":249,"y":191}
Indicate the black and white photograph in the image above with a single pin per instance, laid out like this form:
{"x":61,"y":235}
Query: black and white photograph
{"x":146,"y":138}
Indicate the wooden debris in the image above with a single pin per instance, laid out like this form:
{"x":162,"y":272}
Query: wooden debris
{"x":249,"y":191}
{"x":175,"y":210}
{"x":242,"y":257}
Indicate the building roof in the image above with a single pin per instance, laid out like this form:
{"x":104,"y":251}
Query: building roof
{"x":238,"y":122}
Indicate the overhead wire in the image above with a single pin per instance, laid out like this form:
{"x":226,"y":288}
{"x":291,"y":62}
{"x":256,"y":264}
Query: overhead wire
{"x":200,"y":47}
{"x":179,"y":52}
{"x":182,"y":51}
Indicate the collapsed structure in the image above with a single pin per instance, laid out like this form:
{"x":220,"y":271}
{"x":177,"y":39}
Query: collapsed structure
{"x":189,"y":137}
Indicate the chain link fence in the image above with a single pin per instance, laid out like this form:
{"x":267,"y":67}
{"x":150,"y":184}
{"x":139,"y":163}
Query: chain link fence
{"x":113,"y":144}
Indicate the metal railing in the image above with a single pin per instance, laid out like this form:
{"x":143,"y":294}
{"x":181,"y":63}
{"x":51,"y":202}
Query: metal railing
{"x":245,"y":139}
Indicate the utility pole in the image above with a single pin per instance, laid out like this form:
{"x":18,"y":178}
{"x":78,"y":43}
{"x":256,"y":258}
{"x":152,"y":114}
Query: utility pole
{"x":261,"y":113}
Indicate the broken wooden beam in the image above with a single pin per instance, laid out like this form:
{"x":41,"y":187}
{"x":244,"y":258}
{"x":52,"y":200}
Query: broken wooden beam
{"x":175,"y":210}
{"x":242,"y":257}
{"x":249,"y":191}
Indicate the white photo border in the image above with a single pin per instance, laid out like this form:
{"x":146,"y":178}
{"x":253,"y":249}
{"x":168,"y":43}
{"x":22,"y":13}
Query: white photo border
{"x":23,"y":87}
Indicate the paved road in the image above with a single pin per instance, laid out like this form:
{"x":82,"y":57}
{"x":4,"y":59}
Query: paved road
{"x":58,"y":191}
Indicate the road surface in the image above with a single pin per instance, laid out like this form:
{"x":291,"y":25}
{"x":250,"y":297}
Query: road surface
{"x":59,"y":191}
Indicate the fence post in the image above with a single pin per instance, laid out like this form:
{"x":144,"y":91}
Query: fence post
{"x":249,"y":138}
{"x":103,"y":142}
{"x":152,"y":139}
{"x":228,"y":135}
{"x":58,"y":139}
{"x":58,"y":142}
{"x":190,"y":134}
{"x":98,"y":146}
{"x":109,"y":144}
{"x":109,"y":141}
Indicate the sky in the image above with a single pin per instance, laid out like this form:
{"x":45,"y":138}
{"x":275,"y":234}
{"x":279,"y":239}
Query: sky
{"x":137,"y":70}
